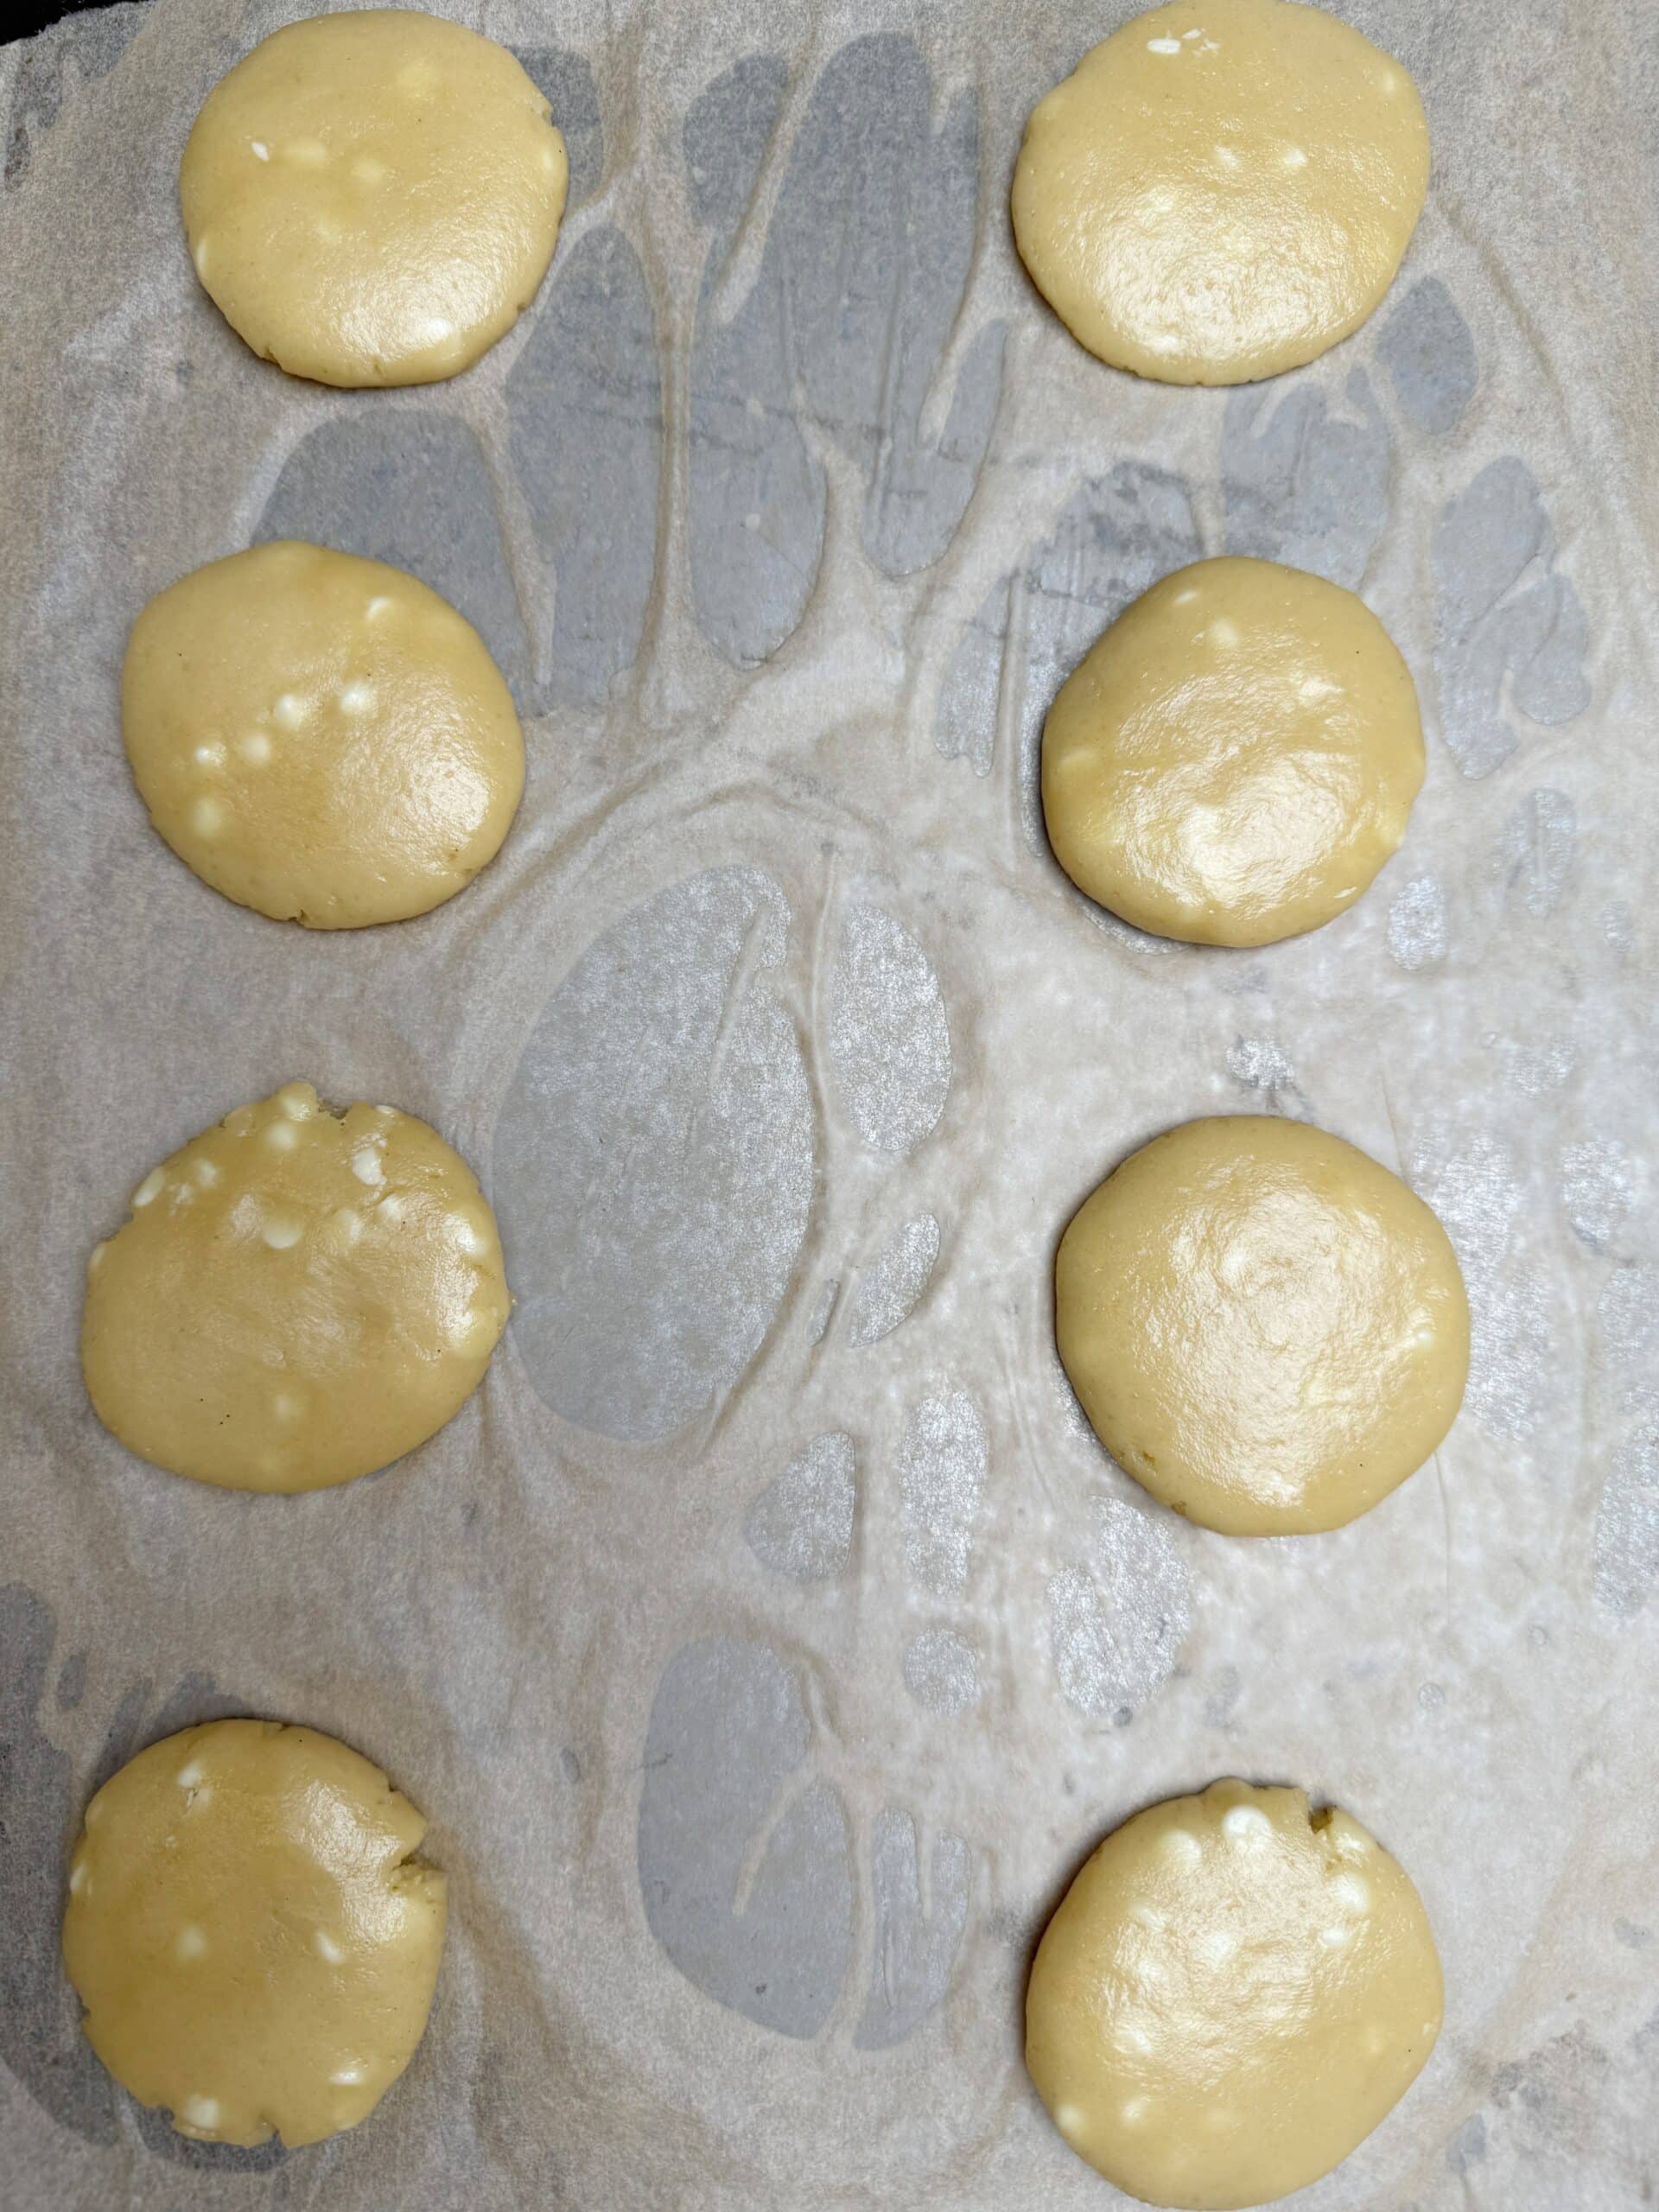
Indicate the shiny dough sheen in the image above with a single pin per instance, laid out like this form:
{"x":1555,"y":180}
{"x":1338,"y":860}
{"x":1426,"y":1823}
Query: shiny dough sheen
{"x":1235,"y":758}
{"x":372,"y":198}
{"x":1222,"y":190}
{"x":1232,"y":1994}
{"x":1265,"y":1327}
{"x":250,"y":1933}
{"x":319,"y":737}
{"x":297,"y":1298}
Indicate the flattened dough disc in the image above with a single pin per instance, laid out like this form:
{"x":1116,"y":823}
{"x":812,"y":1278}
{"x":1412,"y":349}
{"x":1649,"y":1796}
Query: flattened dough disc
{"x":1231,"y":1996}
{"x":1265,"y":1328}
{"x":1222,"y":190}
{"x":372,"y":198}
{"x":251,"y":1934}
{"x":1236,"y":759}
{"x":297,"y":1298}
{"x":319,"y":737}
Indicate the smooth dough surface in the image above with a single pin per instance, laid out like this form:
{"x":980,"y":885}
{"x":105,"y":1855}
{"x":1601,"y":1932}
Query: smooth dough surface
{"x":297,"y":1298}
{"x":1221,"y":191}
{"x":251,"y":1934}
{"x":1265,"y":1328}
{"x":319,"y":737}
{"x":1232,"y":1994}
{"x":372,"y":198}
{"x":1235,"y":758}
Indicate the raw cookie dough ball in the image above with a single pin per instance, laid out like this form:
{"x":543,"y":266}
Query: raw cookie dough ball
{"x":1265,"y":1327}
{"x":319,"y":737}
{"x":297,"y":1298}
{"x":372,"y":199}
{"x":1221,"y":190}
{"x":1235,"y":758}
{"x":250,"y":1932}
{"x":1231,"y":1996}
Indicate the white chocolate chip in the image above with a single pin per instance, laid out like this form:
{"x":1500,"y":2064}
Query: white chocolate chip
{"x":1132,"y":2037}
{"x":207,"y":817}
{"x":1185,"y":598}
{"x":281,"y":1232}
{"x":1224,"y":633}
{"x":1183,"y":1847}
{"x":1068,"y":2120}
{"x":367,"y":1167}
{"x":468,"y":1235}
{"x":286,"y":1406}
{"x":254,"y":748}
{"x":150,"y":1189}
{"x":260,"y":150}
{"x":290,"y":711}
{"x":210,"y":755}
{"x":1350,"y":1892}
{"x":190,"y":1944}
{"x":328,"y":1948}
{"x":306,"y":153}
{"x":438,"y":328}
{"x":1215,"y":1946}
{"x":295,"y":1102}
{"x":199,"y":254}
{"x":1226,"y":156}
{"x":1336,"y":1938}
{"x":199,"y":2111}
{"x":1135,"y":2111}
{"x":378,"y":606}
{"x":346,"y":1225}
{"x":1163,"y":46}
{"x":391,"y":1208}
{"x":77,"y":1878}
{"x":1294,"y":158}
{"x":357,"y":699}
{"x":205,"y":1172}
{"x":1245,"y":1824}
{"x":282,"y":1136}
{"x":368,"y":170}
{"x":347,"y":2077}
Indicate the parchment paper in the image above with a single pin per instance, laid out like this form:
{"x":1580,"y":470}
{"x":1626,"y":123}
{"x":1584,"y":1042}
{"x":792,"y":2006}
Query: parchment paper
{"x":769,"y":1641}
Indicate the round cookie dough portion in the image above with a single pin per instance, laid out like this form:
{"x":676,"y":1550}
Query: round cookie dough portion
{"x":319,"y":737}
{"x":1221,"y":191}
{"x":1235,"y":758}
{"x":1232,"y":1994}
{"x":250,"y":1933}
{"x":372,"y":198}
{"x":1265,"y":1328}
{"x":297,"y":1298}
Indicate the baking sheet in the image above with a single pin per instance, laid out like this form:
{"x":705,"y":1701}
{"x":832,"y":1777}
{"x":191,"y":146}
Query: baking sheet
{"x":769,"y":1640}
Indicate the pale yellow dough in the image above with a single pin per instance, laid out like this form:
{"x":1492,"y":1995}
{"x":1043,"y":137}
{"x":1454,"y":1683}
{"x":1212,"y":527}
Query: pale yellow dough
{"x":251,"y":1934}
{"x":1236,"y":759}
{"x":297,"y":1298}
{"x":1233,"y":1994}
{"x":372,"y":198}
{"x":1221,"y":190}
{"x":1265,"y":1328}
{"x":319,"y":737}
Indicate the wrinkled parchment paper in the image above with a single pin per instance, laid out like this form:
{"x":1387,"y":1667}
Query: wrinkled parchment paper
{"x":769,"y":1640}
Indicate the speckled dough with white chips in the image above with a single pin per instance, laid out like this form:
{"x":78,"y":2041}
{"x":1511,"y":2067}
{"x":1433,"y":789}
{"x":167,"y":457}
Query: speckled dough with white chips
{"x":372,"y":198}
{"x":319,"y":737}
{"x":1222,"y":190}
{"x":1234,"y":1992}
{"x":251,"y":1931}
{"x":1265,"y":1327}
{"x":298,"y":1297}
{"x":1236,"y":759}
